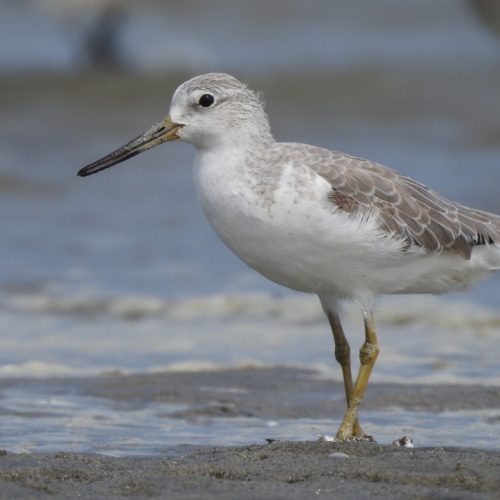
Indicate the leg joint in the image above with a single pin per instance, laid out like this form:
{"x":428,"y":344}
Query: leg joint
{"x":342,"y":353}
{"x":368,"y":353}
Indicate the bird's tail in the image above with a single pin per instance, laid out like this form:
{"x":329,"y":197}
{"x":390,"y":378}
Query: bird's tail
{"x":483,"y":232}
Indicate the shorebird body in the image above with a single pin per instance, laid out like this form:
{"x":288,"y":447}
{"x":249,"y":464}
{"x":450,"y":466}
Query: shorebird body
{"x":279,"y":218}
{"x":316,"y":220}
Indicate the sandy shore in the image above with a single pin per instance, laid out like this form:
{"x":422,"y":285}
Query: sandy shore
{"x":279,"y":470}
{"x":283,"y":469}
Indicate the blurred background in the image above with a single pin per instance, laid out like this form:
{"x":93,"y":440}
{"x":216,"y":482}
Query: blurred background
{"x":120,"y":273}
{"x":414,"y":85}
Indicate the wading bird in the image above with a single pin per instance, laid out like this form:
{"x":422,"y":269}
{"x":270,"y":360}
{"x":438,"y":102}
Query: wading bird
{"x":316,"y":220}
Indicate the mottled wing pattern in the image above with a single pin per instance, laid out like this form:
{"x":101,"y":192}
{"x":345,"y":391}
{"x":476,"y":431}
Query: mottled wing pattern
{"x":406,"y":208}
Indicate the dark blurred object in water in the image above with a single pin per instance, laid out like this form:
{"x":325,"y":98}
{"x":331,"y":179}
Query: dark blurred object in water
{"x":93,"y":29}
{"x":100,"y":44}
{"x":489,"y":12}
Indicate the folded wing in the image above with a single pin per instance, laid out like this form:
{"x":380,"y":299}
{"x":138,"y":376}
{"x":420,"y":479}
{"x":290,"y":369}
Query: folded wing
{"x":406,"y":208}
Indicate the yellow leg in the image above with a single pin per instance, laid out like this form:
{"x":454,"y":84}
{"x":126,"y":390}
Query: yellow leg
{"x":367,"y":356}
{"x":343,"y":356}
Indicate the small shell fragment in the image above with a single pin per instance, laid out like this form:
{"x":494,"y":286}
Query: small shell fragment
{"x":338,"y":454}
{"x":405,"y":442}
{"x":326,"y":437}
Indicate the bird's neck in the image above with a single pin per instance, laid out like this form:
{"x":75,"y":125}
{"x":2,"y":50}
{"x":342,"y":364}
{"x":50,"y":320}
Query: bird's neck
{"x":246,"y":139}
{"x":234,"y":159}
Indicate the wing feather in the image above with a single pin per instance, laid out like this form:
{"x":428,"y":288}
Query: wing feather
{"x":406,"y":208}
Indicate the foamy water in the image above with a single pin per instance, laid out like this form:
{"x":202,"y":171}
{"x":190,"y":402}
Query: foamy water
{"x":423,"y":339}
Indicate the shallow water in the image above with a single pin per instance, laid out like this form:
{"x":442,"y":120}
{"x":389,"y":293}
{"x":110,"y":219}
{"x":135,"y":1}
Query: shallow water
{"x":117,"y":417}
{"x":121,"y":272}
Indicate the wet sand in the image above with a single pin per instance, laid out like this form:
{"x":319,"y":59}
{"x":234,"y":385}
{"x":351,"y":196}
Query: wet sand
{"x":279,"y":470}
{"x":283,"y":469}
{"x":275,"y":393}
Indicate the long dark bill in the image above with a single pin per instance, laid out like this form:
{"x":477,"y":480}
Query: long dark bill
{"x":164,"y":131}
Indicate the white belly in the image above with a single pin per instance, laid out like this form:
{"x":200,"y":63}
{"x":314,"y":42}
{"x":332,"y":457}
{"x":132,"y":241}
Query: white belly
{"x":292,"y":238}
{"x":295,"y":237}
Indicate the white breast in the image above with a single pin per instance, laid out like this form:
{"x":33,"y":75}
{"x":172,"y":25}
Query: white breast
{"x":291,"y":234}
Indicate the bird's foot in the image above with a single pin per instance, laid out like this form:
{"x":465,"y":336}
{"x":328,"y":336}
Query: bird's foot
{"x":350,"y":430}
{"x":365,"y":438}
{"x":356,"y":429}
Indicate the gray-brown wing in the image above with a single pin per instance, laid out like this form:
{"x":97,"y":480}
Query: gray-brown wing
{"x":408,"y":209}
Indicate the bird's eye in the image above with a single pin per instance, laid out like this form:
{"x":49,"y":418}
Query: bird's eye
{"x":206,"y":100}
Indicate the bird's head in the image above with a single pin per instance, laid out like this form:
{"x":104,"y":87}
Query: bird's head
{"x":210,"y":110}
